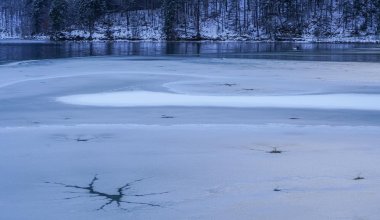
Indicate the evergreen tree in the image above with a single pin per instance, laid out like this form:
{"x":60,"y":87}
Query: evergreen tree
{"x":90,"y":11}
{"x":376,"y":3}
{"x":58,"y":13}
{"x":39,"y":9}
{"x":169,"y":7}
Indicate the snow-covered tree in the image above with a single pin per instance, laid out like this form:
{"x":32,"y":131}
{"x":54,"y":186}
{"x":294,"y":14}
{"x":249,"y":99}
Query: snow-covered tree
{"x":194,"y":19}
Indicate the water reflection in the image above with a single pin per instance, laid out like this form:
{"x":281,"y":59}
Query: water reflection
{"x":31,"y":50}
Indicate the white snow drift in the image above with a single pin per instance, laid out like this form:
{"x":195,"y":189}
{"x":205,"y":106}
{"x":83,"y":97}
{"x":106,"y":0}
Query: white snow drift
{"x":155,"y":99}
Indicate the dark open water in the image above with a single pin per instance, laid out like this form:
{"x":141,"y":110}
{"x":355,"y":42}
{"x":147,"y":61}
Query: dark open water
{"x":17,"y":50}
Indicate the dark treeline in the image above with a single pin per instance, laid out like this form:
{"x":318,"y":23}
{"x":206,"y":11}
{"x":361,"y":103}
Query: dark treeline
{"x":195,"y":19}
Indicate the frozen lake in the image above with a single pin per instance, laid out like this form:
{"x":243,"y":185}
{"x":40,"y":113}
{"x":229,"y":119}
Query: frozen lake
{"x":197,"y":131}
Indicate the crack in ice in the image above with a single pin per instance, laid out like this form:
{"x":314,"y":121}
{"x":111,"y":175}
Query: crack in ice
{"x":110,"y":199}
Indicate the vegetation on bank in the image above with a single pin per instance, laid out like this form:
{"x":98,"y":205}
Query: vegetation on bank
{"x":335,"y":20}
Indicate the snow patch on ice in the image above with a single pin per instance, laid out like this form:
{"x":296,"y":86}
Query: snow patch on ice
{"x":156,"y":99}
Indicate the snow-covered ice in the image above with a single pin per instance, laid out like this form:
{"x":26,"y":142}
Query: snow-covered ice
{"x":173,"y":138}
{"x":158,"y":99}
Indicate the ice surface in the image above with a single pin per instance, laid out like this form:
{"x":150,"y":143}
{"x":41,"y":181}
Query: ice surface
{"x":189,"y":162}
{"x":209,"y":171}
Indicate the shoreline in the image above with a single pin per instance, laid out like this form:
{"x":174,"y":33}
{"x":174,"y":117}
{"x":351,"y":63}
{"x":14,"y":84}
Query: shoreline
{"x":304,"y":41}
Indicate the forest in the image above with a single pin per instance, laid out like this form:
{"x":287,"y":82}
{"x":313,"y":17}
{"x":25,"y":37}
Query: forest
{"x":190,"y":19}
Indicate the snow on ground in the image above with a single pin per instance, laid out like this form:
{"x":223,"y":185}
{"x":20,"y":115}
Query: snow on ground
{"x":65,"y":161}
